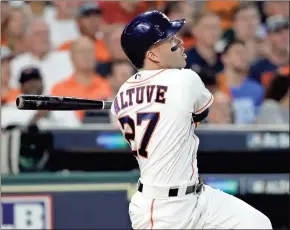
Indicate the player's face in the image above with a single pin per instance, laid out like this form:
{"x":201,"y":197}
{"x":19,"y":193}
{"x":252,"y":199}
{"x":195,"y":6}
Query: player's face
{"x":168,"y":58}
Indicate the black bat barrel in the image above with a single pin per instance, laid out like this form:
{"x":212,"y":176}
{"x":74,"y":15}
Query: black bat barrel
{"x":40,"y":102}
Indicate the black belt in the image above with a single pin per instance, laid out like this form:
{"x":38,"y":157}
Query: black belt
{"x":173,"y":192}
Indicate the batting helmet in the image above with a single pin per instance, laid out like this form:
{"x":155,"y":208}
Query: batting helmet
{"x":144,"y":31}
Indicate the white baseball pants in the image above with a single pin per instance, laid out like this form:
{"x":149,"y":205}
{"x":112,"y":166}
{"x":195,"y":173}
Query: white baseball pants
{"x":212,"y":209}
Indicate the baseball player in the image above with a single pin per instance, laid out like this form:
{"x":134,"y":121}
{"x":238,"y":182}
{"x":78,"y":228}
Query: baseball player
{"x":157,"y":109}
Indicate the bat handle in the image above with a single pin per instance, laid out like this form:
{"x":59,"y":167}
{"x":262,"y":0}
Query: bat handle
{"x":107,"y":105}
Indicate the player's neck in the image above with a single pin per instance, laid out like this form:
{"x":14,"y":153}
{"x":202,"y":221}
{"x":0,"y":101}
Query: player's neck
{"x":151,"y":67}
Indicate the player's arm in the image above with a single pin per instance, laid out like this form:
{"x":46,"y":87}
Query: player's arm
{"x":201,"y":97}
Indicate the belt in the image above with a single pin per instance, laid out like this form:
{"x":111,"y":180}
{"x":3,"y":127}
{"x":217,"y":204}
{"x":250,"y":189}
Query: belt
{"x":173,"y":192}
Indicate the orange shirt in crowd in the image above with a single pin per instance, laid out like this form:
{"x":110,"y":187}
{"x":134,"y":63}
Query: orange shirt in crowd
{"x":98,"y":89}
{"x":222,"y":85}
{"x":3,"y":42}
{"x":224,"y":9}
{"x":114,"y":13}
{"x":188,"y":42}
{"x":101,"y":52}
{"x":267,"y":77}
{"x":11,"y":96}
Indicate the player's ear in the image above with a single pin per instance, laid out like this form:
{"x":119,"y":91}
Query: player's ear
{"x":151,"y":55}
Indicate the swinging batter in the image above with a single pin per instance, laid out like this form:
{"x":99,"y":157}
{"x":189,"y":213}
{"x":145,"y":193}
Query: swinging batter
{"x":157,"y":110}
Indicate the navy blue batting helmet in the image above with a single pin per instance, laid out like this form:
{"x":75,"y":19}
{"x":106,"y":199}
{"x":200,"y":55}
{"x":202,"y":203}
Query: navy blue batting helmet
{"x":144,"y":31}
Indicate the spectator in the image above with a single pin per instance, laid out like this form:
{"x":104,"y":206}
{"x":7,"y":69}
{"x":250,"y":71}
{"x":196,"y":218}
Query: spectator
{"x":176,"y":10}
{"x":18,"y":21}
{"x":31,"y":83}
{"x":221,"y":111}
{"x":275,"y":108}
{"x":7,"y":94}
{"x":89,"y":21}
{"x":245,"y":93}
{"x":5,"y":10}
{"x":225,"y":10}
{"x":63,"y":27}
{"x":246,"y":25}
{"x":37,"y":8}
{"x":206,"y":31}
{"x":112,"y":38}
{"x":156,"y":5}
{"x":120,"y":71}
{"x":121,"y":11}
{"x":83,"y":83}
{"x":262,"y":47}
{"x":278,"y":55}
{"x":53,"y":65}
{"x":272,"y":8}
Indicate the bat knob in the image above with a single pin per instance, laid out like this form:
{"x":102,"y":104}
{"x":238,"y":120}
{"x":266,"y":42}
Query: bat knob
{"x":19,"y":102}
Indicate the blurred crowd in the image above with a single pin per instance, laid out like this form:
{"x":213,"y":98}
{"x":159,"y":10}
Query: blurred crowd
{"x":72,"y":48}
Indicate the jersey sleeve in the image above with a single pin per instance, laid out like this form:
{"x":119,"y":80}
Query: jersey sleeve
{"x":200,"y":96}
{"x":113,"y":109}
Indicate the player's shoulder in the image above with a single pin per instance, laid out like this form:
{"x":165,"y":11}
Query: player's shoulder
{"x":184,"y":76}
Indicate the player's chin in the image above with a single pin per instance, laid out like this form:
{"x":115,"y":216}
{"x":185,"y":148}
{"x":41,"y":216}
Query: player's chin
{"x":183,"y":63}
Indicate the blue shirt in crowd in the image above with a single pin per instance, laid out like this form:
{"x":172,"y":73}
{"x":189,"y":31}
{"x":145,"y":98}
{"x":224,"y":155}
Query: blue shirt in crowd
{"x":246,"y":101}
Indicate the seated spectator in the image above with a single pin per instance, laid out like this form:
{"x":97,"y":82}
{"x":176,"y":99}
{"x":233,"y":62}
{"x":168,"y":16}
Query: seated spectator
{"x":37,"y":8}
{"x":278,"y":55}
{"x":89,"y":21}
{"x":272,"y":8}
{"x":221,"y":111}
{"x":120,"y":71}
{"x":224,"y":9}
{"x":246,"y":26}
{"x":31,"y":83}
{"x":18,"y":21}
{"x":121,"y":11}
{"x":156,"y":5}
{"x":112,"y":38}
{"x":5,"y":11}
{"x":178,"y":10}
{"x":245,"y":93}
{"x":53,"y":65}
{"x":262,"y":47}
{"x":275,"y":107}
{"x":7,"y":94}
{"x":63,"y":27}
{"x":206,"y":31}
{"x":84,"y":82}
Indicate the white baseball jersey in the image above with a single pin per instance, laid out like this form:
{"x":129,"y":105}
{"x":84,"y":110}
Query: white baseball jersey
{"x":154,"y":109}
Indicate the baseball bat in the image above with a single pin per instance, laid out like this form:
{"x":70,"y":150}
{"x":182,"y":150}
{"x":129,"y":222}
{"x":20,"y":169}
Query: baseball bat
{"x":40,"y":102}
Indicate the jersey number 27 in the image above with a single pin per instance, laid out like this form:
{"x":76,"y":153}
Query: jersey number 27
{"x":130,"y":136}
